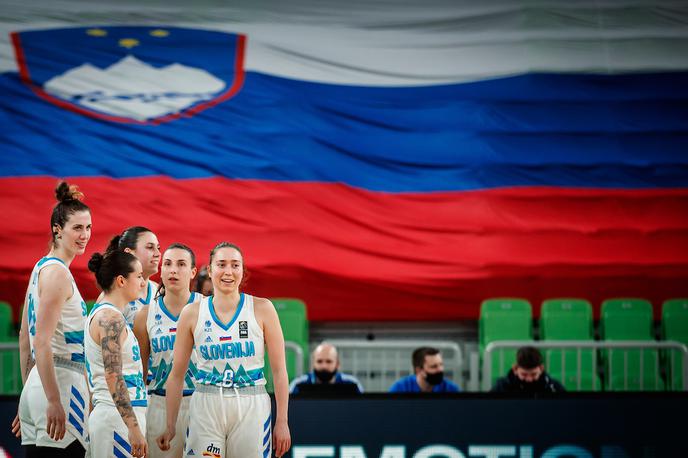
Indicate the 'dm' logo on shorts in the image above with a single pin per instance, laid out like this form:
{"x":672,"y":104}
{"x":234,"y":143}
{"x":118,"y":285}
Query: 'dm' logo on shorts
{"x":212,"y":451}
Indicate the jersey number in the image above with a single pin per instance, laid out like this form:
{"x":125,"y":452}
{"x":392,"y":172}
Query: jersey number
{"x":228,"y":378}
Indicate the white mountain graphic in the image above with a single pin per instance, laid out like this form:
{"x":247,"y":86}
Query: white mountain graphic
{"x":134,"y":89}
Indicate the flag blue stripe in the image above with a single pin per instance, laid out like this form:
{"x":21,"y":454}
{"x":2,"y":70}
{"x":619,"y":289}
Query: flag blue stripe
{"x":600,"y":131}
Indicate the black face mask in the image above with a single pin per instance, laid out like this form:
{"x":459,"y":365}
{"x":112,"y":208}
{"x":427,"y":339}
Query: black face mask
{"x":434,"y":379}
{"x":534,"y":386}
{"x":324,"y":376}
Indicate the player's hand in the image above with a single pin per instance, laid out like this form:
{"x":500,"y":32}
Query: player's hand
{"x":139,"y":446}
{"x":16,"y":426}
{"x":281,"y":438}
{"x":164,"y":439}
{"x":56,"y":420}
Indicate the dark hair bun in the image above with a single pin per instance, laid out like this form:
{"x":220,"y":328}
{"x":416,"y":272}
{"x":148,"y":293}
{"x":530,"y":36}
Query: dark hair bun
{"x":95,"y":262}
{"x":65,"y":192}
{"x":114,"y":244}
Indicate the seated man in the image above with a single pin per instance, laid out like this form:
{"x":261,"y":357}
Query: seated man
{"x":527,"y":375}
{"x":428,"y":377}
{"x":325,"y":375}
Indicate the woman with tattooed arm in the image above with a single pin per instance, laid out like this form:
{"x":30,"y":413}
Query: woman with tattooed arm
{"x":117,"y":424}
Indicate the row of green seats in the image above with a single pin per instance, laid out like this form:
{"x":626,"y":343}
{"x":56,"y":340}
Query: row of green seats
{"x":9,"y":359}
{"x":294,"y":320}
{"x":572,"y":319}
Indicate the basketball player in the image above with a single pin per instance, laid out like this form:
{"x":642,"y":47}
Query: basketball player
{"x":142,"y":243}
{"x":230,"y":410}
{"x":53,"y":404}
{"x":117,"y":424}
{"x":155,"y":327}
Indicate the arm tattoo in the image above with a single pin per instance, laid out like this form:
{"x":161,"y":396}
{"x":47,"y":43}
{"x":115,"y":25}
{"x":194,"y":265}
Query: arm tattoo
{"x":111,"y":329}
{"x":29,"y":365}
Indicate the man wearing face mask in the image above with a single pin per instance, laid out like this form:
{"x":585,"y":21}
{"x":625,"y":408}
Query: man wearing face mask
{"x":325,"y":376}
{"x":428,"y":376}
{"x":528,"y":375}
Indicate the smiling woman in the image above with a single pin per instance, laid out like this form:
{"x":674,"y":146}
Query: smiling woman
{"x":52,"y":407}
{"x":229,"y":333}
{"x":142,"y":243}
{"x":114,"y":368}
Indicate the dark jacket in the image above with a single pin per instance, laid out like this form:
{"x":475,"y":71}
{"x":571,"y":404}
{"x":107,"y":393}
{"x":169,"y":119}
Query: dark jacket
{"x":512,"y":384}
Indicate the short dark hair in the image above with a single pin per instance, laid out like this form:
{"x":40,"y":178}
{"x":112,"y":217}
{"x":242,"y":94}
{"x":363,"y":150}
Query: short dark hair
{"x":528,"y":358}
{"x":419,"y":354}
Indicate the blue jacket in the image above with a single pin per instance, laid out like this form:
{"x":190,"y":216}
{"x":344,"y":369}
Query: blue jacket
{"x":409,"y":384}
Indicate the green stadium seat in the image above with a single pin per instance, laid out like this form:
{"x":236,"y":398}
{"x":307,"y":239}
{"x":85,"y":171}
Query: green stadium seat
{"x":10,"y":377}
{"x":294,"y":320}
{"x":675,"y":327}
{"x":566,"y":319}
{"x":629,"y":370}
{"x":569,"y":319}
{"x":504,"y":319}
{"x":10,"y":382}
{"x":626,"y":319}
{"x":6,"y":321}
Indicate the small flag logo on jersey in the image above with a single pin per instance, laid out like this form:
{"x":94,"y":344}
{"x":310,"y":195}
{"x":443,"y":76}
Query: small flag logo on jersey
{"x":173,"y":329}
{"x":225,"y":338}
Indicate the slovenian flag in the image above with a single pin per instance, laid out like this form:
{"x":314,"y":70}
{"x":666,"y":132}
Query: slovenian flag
{"x":380,"y":161}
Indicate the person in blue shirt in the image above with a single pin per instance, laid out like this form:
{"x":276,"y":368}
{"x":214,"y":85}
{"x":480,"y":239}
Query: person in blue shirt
{"x":325,"y":374}
{"x":428,"y":377}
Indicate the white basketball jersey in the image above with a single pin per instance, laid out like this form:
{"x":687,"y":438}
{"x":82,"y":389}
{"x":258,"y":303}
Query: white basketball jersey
{"x":162,"y":332}
{"x":68,"y":340}
{"x":134,"y":306}
{"x":232,"y":354}
{"x":132,"y":369}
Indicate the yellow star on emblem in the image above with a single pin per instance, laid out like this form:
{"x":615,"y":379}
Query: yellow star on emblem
{"x":128,"y":42}
{"x":97,"y":32}
{"x":159,"y":33}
